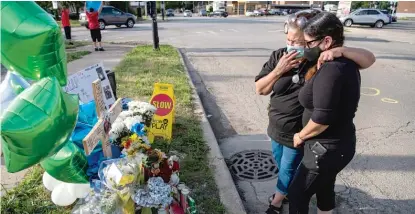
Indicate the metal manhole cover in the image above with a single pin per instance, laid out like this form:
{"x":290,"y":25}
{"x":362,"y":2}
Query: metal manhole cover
{"x":253,"y":165}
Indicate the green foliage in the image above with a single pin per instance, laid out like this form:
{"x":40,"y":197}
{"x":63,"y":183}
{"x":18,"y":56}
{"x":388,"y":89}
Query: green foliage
{"x":210,"y":9}
{"x":381,"y":5}
{"x":29,"y":196}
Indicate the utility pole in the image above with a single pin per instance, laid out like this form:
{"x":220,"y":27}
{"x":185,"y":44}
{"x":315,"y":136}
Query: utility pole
{"x":153,"y":13}
{"x":162,"y":10}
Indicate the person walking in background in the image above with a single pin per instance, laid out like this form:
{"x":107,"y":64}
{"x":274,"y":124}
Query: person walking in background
{"x":66,"y":24}
{"x":93,"y":25}
{"x":283,"y":76}
{"x":330,"y":98}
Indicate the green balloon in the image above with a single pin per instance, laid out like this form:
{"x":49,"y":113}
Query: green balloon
{"x":68,"y":165}
{"x":37,"y":124}
{"x":31,"y":42}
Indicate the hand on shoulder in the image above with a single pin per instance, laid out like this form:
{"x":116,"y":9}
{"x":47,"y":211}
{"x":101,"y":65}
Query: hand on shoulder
{"x":330,"y":55}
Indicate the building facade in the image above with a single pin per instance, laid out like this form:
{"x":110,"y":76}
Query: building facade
{"x":405,"y":9}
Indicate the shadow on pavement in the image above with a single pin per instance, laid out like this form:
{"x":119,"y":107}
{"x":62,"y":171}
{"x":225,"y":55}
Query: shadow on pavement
{"x":226,"y":50}
{"x":364,"y":39}
{"x":354,"y":200}
{"x":410,"y":58}
{"x":136,"y":28}
{"x":223,"y":20}
{"x":220,"y":124}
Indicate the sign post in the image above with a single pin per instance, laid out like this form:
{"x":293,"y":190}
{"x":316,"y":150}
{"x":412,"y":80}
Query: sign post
{"x":100,"y":131}
{"x":163,"y":100}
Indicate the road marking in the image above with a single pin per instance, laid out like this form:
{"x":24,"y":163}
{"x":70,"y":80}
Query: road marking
{"x":221,"y":30}
{"x":375,"y":90}
{"x":211,"y":32}
{"x":233,"y":30}
{"x":199,"y":32}
{"x":389,"y":100}
{"x":120,"y":37}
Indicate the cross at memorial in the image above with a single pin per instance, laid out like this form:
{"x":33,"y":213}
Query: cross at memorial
{"x":105,"y":118}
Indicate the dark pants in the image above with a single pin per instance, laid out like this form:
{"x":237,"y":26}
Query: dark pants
{"x":67,"y":30}
{"x":317,"y":175}
{"x":96,"y":35}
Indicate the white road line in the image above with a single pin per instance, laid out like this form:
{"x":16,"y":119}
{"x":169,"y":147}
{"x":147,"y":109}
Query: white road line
{"x":211,"y":32}
{"x":198,"y":32}
{"x":233,"y":30}
{"x":221,"y":30}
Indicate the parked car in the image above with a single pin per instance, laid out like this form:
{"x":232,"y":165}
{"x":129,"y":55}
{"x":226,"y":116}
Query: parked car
{"x":275,"y":12}
{"x":203,"y":13}
{"x":249,"y":13}
{"x":187,"y":13}
{"x":219,"y":13}
{"x":169,"y":12}
{"x":296,"y":14}
{"x":371,"y":17}
{"x":386,"y":12}
{"x":110,"y":16}
{"x":258,"y":13}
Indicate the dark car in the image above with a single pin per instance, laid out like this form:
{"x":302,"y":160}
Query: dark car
{"x":169,"y":12}
{"x":219,"y":14}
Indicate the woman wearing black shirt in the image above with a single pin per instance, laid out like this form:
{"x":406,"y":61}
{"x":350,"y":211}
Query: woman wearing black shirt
{"x":284,"y":75}
{"x":330,"y":99}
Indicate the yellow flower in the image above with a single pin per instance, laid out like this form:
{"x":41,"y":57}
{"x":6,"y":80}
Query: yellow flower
{"x":134,"y":137}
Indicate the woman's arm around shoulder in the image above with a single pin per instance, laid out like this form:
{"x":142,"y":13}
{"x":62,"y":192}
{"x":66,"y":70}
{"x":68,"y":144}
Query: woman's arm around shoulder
{"x":362,"y":57}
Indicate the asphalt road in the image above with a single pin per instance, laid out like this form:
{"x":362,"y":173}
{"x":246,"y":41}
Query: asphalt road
{"x":228,"y":53}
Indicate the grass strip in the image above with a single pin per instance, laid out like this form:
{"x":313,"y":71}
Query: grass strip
{"x":30,"y":196}
{"x":71,"y":56}
{"x":136,"y":75}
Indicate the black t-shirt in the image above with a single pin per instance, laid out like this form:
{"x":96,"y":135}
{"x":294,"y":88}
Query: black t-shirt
{"x":331,"y":98}
{"x":285,"y":110}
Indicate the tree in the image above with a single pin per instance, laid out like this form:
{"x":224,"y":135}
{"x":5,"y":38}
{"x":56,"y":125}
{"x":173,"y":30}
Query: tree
{"x":360,"y":4}
{"x":46,"y":5}
{"x":173,"y":4}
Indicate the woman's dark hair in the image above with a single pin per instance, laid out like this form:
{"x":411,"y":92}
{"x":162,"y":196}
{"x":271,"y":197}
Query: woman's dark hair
{"x":91,"y":10}
{"x":299,"y":19}
{"x":325,"y":24}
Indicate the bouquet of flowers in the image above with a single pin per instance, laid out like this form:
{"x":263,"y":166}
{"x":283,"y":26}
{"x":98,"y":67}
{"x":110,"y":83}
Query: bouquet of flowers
{"x":133,"y":120}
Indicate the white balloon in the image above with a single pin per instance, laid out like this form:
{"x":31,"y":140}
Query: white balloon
{"x":78,"y":190}
{"x":61,"y":197}
{"x":6,"y":89}
{"x":50,"y":182}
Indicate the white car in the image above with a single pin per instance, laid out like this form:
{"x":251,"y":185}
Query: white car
{"x":372,"y":17}
{"x":258,"y":13}
{"x":249,"y":13}
{"x":187,"y":13}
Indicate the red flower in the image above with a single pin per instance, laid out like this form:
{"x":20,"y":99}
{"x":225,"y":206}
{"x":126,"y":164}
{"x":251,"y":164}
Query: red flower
{"x":175,"y":167}
{"x":127,"y":144}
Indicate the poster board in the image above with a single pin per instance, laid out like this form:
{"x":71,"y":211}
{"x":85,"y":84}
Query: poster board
{"x":81,"y":83}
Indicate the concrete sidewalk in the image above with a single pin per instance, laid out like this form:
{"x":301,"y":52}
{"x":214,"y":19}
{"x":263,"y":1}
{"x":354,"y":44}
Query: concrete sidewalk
{"x":112,"y":55}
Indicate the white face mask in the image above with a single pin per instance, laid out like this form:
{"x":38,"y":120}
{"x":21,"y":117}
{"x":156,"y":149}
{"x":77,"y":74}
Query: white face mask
{"x":299,"y":49}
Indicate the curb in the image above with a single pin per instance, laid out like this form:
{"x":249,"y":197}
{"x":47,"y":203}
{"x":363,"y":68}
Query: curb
{"x":228,"y":193}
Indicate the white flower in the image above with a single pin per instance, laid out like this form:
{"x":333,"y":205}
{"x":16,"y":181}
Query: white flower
{"x":131,"y":121}
{"x":116,"y":129}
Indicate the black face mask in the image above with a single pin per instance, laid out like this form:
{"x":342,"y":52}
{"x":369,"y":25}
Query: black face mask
{"x":312,"y":54}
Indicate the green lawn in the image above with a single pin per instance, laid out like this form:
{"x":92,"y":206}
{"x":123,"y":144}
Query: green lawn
{"x":71,"y":56}
{"x":30,"y":196}
{"x":76,"y":44}
{"x":136,"y":76}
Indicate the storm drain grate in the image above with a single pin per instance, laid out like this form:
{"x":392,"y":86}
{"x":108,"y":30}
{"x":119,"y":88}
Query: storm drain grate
{"x":253,"y":165}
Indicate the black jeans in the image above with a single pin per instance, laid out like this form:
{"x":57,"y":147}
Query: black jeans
{"x":317,"y":175}
{"x":67,"y":32}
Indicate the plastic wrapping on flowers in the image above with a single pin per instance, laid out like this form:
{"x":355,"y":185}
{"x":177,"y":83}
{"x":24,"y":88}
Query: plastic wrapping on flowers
{"x":142,"y":176}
